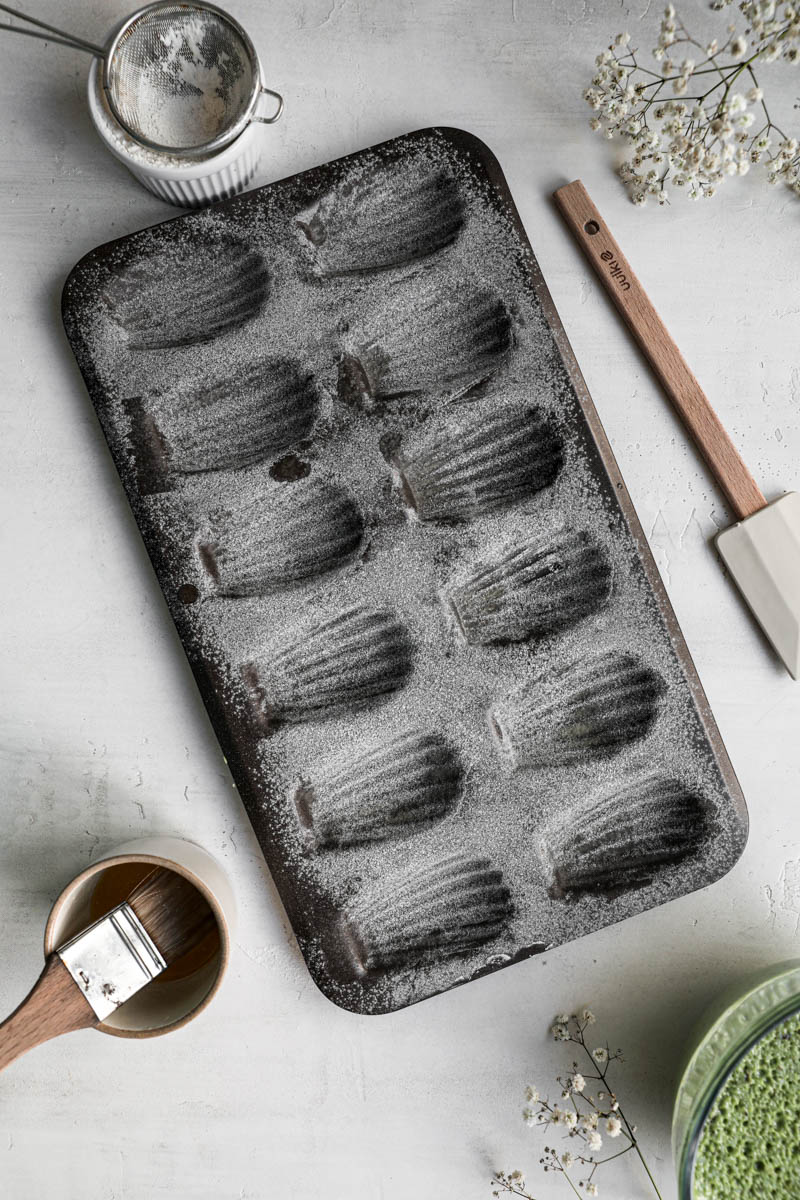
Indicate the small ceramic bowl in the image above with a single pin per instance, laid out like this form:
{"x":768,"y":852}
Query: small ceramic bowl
{"x":187,"y":182}
{"x":186,"y":988}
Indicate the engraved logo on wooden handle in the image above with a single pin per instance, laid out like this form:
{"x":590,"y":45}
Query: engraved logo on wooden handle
{"x":616,"y":270}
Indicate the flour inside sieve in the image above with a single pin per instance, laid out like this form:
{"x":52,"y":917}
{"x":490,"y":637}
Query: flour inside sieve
{"x":181,"y":77}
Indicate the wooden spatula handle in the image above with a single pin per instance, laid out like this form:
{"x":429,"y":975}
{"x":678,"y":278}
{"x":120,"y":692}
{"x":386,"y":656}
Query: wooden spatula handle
{"x":54,"y":1005}
{"x":740,"y":489}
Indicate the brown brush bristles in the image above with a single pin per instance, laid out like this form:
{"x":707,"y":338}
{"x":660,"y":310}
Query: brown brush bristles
{"x":175,"y":914}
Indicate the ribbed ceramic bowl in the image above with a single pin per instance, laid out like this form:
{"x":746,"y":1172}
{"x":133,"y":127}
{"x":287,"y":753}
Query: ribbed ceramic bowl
{"x":739,"y":1021}
{"x":187,"y":182}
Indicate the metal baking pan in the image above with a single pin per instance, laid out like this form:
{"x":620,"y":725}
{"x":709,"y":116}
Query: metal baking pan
{"x":417,"y":601}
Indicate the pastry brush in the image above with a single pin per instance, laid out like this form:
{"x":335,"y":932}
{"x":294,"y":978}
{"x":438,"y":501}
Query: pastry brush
{"x":762,"y":550}
{"x":100,"y":968}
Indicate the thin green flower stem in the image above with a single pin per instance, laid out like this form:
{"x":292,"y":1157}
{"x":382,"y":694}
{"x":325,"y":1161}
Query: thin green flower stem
{"x":719,"y":70}
{"x":694,"y":42}
{"x":727,"y":79}
{"x":571,"y":1184}
{"x":669,"y":78}
{"x":647,"y":71}
{"x":770,"y":123}
{"x":746,"y":64}
{"x":662,"y":79}
{"x":704,"y":71}
{"x":652,"y":99}
{"x":598,"y":1162}
{"x":635,"y":1144}
{"x":732,"y":78}
{"x":512,"y":1190}
{"x":690,"y":99}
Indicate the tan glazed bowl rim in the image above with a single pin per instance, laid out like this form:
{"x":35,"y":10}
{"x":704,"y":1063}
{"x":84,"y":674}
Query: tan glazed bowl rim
{"x":68,"y":896}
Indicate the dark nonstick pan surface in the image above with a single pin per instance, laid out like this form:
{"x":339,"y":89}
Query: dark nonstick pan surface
{"x":407,"y":574}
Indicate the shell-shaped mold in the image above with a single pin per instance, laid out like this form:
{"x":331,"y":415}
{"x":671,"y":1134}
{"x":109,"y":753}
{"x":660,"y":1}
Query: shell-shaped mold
{"x":427,"y":913}
{"x":286,"y":534}
{"x":394,"y":215}
{"x":534,"y":587}
{"x":480,"y":462}
{"x":257,"y":412}
{"x":621,"y":839}
{"x":188,"y":294}
{"x":427,"y":339}
{"x":591,"y":709}
{"x":408,"y":782}
{"x":321,"y":666}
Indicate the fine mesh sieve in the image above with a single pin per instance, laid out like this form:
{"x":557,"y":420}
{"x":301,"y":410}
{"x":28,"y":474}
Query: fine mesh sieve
{"x":183,"y":77}
{"x":179,"y":77}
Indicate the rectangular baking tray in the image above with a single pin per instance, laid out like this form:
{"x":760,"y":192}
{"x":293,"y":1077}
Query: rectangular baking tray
{"x":405,"y":569}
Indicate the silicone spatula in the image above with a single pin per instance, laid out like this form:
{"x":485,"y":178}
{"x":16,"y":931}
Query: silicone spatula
{"x":762,"y":550}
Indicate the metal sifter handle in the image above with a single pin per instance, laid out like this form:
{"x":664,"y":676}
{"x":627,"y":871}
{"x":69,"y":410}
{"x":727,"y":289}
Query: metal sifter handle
{"x":265,"y":91}
{"x":64,"y":38}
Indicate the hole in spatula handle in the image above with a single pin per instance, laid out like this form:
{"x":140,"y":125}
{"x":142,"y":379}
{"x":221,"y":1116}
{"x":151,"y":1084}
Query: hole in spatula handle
{"x":591,"y":227}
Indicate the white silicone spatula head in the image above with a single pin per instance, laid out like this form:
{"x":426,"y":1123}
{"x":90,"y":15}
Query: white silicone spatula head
{"x":762,"y":551}
{"x":762,"y":554}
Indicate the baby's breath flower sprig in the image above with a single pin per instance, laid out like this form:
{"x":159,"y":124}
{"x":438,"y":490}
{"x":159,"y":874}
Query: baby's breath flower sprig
{"x":685,"y":124}
{"x":587,"y":1111}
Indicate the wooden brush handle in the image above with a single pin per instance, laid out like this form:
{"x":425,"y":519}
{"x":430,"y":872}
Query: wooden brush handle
{"x":54,"y":1005}
{"x":740,"y":489}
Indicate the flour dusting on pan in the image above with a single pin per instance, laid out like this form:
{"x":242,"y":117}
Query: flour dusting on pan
{"x":421,"y":612}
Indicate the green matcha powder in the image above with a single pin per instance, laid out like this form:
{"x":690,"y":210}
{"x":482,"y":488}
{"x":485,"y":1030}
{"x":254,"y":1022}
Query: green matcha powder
{"x":750,"y":1144}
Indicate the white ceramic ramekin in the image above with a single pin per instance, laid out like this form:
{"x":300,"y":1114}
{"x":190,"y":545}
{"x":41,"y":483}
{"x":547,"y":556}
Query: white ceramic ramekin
{"x":165,"y":1004}
{"x":187,"y":182}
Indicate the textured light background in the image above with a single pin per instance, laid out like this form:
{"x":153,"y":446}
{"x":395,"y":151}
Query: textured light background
{"x":274,"y":1094}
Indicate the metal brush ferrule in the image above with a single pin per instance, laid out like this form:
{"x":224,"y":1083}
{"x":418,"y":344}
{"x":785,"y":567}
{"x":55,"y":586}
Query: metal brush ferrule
{"x":112,"y":959}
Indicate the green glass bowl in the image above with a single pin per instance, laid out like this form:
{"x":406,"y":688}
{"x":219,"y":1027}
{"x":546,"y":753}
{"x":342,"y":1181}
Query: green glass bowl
{"x":739,"y":1021}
